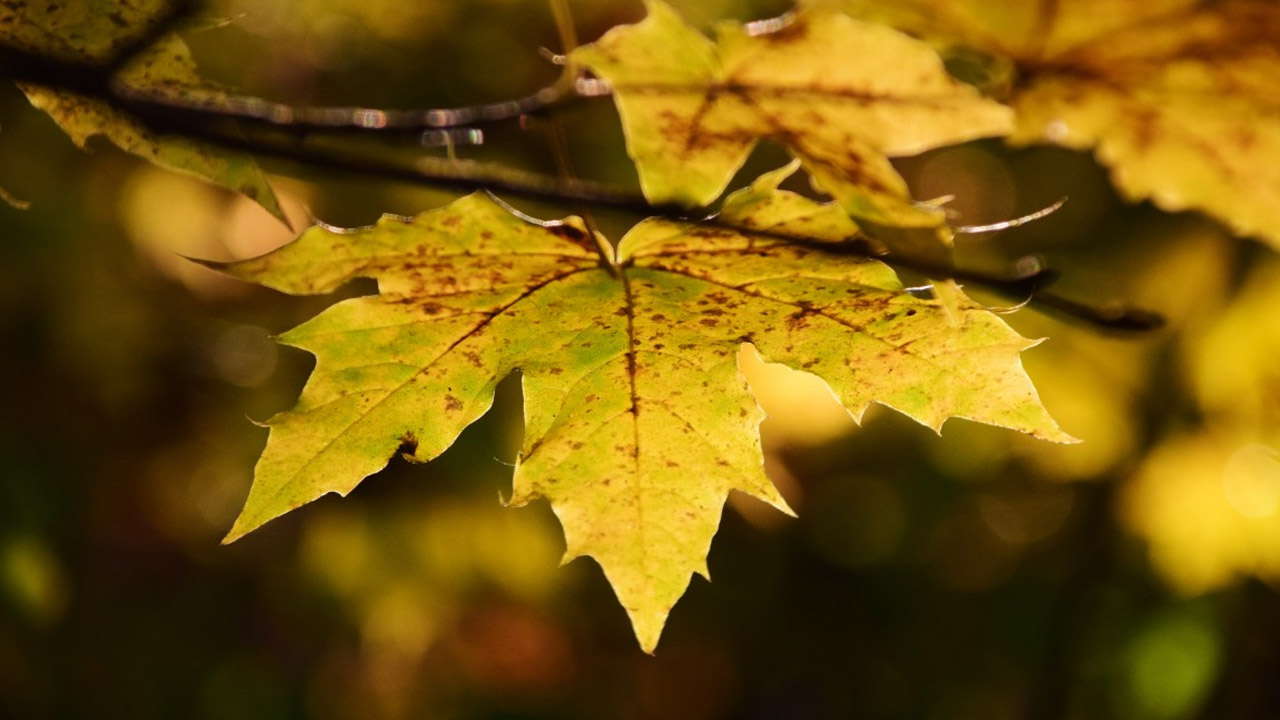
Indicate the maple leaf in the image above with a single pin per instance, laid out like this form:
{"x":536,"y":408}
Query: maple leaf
{"x":843,"y":94}
{"x":90,"y":31}
{"x":638,"y":422}
{"x":1177,"y":97}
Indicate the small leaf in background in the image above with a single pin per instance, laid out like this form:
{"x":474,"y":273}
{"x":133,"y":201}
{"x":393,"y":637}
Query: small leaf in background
{"x":844,"y":95}
{"x":1182,"y":109}
{"x":638,"y":422}
{"x":1176,"y":97}
{"x":87,"y":31}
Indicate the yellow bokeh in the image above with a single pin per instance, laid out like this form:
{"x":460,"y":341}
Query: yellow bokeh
{"x":1208,"y":500}
{"x":1209,"y":505}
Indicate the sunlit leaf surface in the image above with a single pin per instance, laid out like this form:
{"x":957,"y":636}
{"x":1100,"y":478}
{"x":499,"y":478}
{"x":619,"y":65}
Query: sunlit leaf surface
{"x":638,"y":420}
{"x":1177,"y":97}
{"x":843,"y":94}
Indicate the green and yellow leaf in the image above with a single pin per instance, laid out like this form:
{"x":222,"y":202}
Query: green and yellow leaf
{"x":91,"y":31}
{"x":1177,"y":97}
{"x":843,"y":94}
{"x":638,"y":420}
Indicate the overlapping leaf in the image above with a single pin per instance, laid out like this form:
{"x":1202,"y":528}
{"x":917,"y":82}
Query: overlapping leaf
{"x":638,"y":421}
{"x":843,"y":94}
{"x":1176,"y":96}
{"x":91,"y":31}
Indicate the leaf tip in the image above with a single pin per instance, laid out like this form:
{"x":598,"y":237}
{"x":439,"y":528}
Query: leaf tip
{"x":1058,"y":435}
{"x":220,"y":266}
{"x":234,"y":534}
{"x":647,"y":627}
{"x":784,"y":508}
{"x":770,"y":181}
{"x":653,"y":7}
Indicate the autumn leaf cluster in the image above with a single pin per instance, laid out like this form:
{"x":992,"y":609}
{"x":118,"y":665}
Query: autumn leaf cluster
{"x":638,"y":420}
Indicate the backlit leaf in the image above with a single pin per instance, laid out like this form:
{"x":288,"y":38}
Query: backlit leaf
{"x":638,"y":422}
{"x":90,"y":31}
{"x":843,"y":94}
{"x":1177,"y":97}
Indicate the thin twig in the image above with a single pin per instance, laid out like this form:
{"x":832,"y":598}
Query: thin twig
{"x":1013,"y":223}
{"x":302,"y":118}
{"x":188,"y":116}
{"x":555,"y":133}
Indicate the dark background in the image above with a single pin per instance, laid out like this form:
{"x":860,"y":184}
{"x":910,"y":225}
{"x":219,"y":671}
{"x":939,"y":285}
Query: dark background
{"x":977,"y":575}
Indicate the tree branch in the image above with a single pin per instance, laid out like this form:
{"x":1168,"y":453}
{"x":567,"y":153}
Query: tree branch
{"x":210,"y":116}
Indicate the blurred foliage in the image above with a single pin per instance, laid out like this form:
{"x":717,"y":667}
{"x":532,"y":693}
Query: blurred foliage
{"x":972,"y":575}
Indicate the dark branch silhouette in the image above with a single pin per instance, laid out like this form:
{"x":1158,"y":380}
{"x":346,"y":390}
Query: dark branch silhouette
{"x":278,"y":130}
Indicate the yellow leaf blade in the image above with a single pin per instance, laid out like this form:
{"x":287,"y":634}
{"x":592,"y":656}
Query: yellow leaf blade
{"x":847,"y":93}
{"x":1176,"y":97}
{"x":638,"y":421}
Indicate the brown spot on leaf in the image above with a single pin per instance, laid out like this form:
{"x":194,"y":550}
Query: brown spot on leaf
{"x":452,"y":404}
{"x":408,"y":444}
{"x":568,"y":232}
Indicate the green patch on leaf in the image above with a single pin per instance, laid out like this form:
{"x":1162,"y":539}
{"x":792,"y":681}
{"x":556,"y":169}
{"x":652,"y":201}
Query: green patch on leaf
{"x":638,"y":422}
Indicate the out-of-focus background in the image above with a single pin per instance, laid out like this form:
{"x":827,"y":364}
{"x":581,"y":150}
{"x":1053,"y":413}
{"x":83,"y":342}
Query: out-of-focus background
{"x":978,"y":575}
